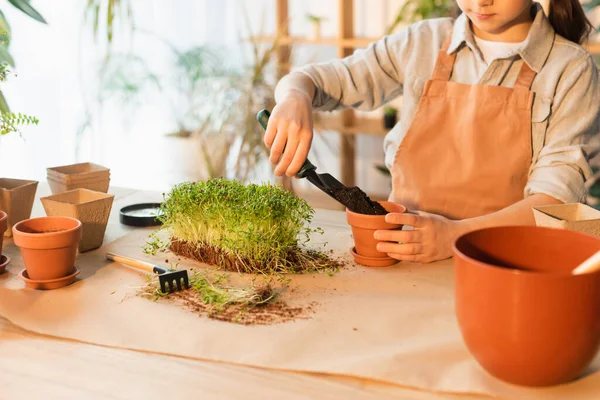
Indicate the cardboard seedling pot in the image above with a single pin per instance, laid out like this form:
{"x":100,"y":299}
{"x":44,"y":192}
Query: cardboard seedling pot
{"x":16,"y":200}
{"x":574,"y":216}
{"x":92,"y":208}
{"x":84,"y":175}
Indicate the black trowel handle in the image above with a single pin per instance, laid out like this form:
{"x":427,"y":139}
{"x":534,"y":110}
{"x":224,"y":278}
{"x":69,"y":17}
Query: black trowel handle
{"x":263,"y":119}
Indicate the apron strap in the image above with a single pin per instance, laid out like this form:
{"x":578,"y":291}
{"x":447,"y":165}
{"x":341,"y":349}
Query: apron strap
{"x":525,"y":77}
{"x":445,"y":62}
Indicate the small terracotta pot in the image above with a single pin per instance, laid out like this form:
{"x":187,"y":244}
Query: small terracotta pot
{"x":364,"y":226}
{"x":90,"y":207}
{"x":524,"y":317}
{"x":48,"y":246}
{"x":373,"y":261}
{"x":16,"y":199}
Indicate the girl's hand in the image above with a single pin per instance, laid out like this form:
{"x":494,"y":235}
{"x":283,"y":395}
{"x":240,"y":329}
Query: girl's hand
{"x":430,"y":240}
{"x":289,"y":133}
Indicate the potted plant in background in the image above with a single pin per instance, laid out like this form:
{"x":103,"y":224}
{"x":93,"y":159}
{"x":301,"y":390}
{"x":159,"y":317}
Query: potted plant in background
{"x":316,"y":24}
{"x":217,"y":114}
{"x":416,"y":10}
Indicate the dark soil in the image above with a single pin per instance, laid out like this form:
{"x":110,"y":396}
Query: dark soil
{"x":356,"y":200}
{"x":265,"y":314}
{"x":215,"y":256}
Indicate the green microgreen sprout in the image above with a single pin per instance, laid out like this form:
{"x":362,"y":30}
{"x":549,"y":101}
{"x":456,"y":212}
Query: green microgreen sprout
{"x":254,"y":228}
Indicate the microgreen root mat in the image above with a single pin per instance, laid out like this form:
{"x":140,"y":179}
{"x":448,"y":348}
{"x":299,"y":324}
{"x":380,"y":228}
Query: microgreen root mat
{"x":393,"y":324}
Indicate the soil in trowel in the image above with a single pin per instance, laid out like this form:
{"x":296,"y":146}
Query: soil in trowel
{"x":356,"y":200}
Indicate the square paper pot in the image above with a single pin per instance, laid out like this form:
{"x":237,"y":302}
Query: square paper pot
{"x":574,"y":216}
{"x":84,"y":175}
{"x":90,"y":207}
{"x":57,"y":186}
{"x":16,"y":199}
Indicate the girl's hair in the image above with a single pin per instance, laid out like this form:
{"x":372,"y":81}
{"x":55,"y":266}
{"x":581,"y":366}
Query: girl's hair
{"x":569,"y":20}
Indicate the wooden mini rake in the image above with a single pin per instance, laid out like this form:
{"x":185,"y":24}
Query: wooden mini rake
{"x":170,"y":281}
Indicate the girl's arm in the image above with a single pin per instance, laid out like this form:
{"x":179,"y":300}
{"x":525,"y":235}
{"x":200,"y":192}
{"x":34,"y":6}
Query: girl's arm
{"x":365,"y":80}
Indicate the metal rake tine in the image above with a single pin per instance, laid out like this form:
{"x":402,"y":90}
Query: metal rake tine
{"x":163,"y":286}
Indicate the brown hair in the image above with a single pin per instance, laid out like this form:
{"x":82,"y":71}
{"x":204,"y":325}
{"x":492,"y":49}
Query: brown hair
{"x":569,"y":20}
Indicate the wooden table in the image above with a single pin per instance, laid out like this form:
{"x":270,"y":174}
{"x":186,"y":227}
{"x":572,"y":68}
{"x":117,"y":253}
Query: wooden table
{"x":35,"y":366}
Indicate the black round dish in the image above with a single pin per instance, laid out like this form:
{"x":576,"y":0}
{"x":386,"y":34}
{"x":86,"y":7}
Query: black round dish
{"x":143,"y":214}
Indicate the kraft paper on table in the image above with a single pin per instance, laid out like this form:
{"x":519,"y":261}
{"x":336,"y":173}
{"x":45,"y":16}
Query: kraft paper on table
{"x":393,"y":324}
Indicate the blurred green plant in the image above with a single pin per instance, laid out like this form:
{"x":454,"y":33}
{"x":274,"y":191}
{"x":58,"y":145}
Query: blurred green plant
{"x":213,"y":103}
{"x":108,"y":11}
{"x":9,"y":121}
{"x":417,"y":10}
{"x":590,"y":6}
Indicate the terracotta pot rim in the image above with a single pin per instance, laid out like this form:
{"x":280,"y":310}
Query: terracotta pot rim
{"x":472,"y":262}
{"x":3,"y":216}
{"x":46,"y":234}
{"x":375,"y":217}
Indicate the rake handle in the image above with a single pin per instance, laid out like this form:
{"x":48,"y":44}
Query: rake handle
{"x":145,"y":266}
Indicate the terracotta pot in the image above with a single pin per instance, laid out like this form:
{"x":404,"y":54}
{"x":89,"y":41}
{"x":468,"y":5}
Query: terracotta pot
{"x":49,"y":284}
{"x":84,"y":175}
{"x":90,"y":207}
{"x":16,"y":199}
{"x":364,"y":226}
{"x":48,"y":246}
{"x":524,"y":317}
{"x":372,"y":261}
{"x":3,"y":227}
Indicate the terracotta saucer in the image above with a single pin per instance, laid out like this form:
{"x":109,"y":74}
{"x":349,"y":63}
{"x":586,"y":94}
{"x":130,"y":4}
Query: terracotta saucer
{"x":50,"y":283}
{"x":372,"y":261}
{"x":4,"y":261}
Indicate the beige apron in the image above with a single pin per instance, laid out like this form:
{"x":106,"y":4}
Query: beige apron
{"x":468,"y":150}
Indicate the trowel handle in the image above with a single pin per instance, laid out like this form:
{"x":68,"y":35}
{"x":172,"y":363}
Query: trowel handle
{"x":145,"y":266}
{"x":590,"y":265}
{"x":263,"y":119}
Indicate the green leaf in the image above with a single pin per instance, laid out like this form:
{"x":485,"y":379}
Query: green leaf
{"x":3,"y":104}
{"x":24,"y":6}
{"x":5,"y":56}
{"x":4,"y":30}
{"x":589,"y":6}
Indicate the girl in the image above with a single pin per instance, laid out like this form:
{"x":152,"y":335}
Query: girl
{"x":499,"y":107}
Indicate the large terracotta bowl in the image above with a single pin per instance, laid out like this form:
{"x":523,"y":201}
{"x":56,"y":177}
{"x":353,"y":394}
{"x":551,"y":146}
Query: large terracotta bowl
{"x":522,"y":314}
